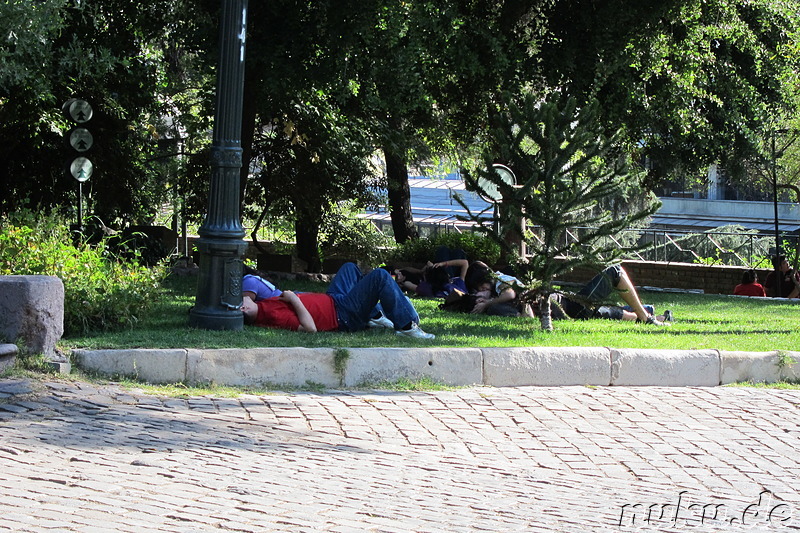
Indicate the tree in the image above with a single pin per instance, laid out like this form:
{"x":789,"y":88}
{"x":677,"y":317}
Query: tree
{"x":431,"y":75}
{"x":101,"y":52}
{"x":311,"y":160}
{"x":566,"y":167}
{"x":691,"y":82}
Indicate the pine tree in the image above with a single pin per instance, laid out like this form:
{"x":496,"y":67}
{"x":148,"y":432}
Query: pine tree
{"x":569,"y":175}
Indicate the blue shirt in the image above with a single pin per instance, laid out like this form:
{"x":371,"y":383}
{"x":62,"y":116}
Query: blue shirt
{"x":262,"y":288}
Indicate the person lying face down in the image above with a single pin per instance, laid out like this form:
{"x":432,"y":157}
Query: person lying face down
{"x":353,"y":302}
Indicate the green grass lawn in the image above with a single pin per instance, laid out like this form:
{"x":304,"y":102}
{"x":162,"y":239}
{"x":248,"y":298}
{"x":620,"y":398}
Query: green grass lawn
{"x":701,"y":321}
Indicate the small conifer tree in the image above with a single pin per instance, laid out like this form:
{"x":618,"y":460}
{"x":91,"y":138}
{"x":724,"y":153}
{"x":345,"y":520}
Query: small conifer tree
{"x":569,"y":175}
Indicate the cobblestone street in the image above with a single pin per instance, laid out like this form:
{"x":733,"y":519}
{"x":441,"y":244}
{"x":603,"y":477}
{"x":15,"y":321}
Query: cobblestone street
{"x":82,"y":457}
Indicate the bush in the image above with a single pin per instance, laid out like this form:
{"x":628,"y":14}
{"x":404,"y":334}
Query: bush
{"x":354,"y":239}
{"x":475,"y":246}
{"x":101,"y":292}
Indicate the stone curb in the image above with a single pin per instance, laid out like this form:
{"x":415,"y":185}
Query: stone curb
{"x":496,"y":367}
{"x":8,"y":356}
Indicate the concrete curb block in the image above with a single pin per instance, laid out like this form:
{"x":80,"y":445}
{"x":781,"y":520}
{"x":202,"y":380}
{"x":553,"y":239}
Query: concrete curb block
{"x":789,"y":364}
{"x":452,"y":366}
{"x":507,"y":367}
{"x":152,"y":366}
{"x":496,"y":367}
{"x":294,"y":367}
{"x":749,"y":366}
{"x":668,"y":368}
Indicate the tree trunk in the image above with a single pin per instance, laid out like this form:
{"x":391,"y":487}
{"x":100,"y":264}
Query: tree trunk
{"x":306,"y":230}
{"x":399,"y":197}
{"x":247,"y":135}
{"x":545,"y":315}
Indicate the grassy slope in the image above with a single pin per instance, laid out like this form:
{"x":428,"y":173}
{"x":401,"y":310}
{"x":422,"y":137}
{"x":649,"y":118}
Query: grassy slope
{"x":702,"y":321}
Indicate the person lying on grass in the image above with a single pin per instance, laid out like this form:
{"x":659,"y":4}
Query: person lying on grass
{"x":588,"y":302}
{"x":438,"y":278}
{"x":493,"y":291}
{"x":433,"y":280}
{"x":353,"y":302}
{"x":256,"y":286}
{"x":490,"y":291}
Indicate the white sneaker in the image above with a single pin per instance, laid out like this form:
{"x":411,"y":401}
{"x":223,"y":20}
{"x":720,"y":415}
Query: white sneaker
{"x":380,"y":322}
{"x":415,"y":333}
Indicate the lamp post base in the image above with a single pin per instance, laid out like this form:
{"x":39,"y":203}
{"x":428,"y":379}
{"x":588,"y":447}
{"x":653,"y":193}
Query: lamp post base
{"x":219,"y":285}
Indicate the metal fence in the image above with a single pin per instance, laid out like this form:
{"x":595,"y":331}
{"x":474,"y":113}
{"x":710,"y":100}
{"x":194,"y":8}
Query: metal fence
{"x":748,"y":249}
{"x":751,"y":250}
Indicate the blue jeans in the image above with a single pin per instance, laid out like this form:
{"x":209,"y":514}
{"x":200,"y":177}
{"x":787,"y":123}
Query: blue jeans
{"x":597,"y":290}
{"x":443,"y":253}
{"x":357,"y":298}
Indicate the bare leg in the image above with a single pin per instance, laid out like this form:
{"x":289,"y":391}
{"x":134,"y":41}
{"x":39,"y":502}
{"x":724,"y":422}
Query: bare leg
{"x":631,"y":297}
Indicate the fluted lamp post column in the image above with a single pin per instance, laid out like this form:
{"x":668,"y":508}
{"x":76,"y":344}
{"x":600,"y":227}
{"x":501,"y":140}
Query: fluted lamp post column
{"x":220,"y":246}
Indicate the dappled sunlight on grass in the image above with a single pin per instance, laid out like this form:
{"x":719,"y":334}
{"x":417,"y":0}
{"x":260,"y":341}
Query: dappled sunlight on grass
{"x":701,"y":322}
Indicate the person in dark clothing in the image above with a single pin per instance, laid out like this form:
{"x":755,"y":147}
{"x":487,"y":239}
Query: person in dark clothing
{"x":784,"y":281}
{"x":589,"y":302}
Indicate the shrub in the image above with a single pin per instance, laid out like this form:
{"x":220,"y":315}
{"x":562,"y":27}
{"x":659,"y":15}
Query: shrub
{"x":100,"y":291}
{"x":352,"y":238}
{"x":475,"y":246}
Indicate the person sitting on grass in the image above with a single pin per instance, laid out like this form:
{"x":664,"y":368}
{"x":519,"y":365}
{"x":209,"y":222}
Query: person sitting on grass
{"x":350,"y":304}
{"x":749,"y":285}
{"x":783,"y":282}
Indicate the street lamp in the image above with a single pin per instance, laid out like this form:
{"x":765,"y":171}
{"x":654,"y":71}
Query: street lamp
{"x":777,"y":154}
{"x":221,"y":248}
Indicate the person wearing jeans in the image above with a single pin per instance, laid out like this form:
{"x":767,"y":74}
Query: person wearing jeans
{"x":353,"y":302}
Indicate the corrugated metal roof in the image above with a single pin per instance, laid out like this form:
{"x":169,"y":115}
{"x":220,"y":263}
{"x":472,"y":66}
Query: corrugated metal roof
{"x":433,"y":202}
{"x":706,"y":224}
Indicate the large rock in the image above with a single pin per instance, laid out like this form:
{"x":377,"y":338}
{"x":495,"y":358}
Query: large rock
{"x":32,"y":312}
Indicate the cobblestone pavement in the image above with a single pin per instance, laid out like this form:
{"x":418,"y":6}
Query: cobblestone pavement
{"x":82,"y":457}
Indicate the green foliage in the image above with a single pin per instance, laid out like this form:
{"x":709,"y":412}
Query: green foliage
{"x":692,"y":81}
{"x":565,"y":167}
{"x":475,"y":246}
{"x":100,"y":292}
{"x":345,"y":236}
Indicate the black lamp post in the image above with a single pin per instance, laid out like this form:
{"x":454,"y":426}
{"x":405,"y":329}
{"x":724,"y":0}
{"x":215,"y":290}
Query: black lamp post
{"x":219,"y":285}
